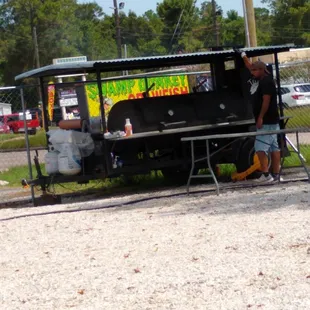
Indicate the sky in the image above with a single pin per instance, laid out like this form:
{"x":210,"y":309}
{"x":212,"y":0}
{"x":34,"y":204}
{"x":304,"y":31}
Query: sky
{"x":141,"y":6}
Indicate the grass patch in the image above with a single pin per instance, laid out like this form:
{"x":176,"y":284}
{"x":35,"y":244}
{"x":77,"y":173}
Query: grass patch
{"x":37,"y":140}
{"x":301,"y":117}
{"x":294,"y":161}
{"x":135,"y":183}
{"x":227,"y":169}
{"x":15,"y":174}
{"x":4,"y":137}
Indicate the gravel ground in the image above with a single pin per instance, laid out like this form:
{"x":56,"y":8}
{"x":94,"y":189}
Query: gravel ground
{"x":245,"y":249}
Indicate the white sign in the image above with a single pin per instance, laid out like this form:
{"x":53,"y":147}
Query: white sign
{"x":28,"y":116}
{"x":60,"y":61}
{"x":68,"y":102}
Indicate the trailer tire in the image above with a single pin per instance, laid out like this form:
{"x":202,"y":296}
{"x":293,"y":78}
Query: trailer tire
{"x":246,"y":157}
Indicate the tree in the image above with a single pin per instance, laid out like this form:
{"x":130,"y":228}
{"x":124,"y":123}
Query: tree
{"x":142,"y":34}
{"x":233,"y":29}
{"x":263,"y":26}
{"x":55,"y":23}
{"x":96,"y":32}
{"x":205,"y":30}
{"x":290,"y":21}
{"x":178,"y":17}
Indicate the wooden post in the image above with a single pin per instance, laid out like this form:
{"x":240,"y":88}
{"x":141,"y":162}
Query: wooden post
{"x":250,"y":17}
{"x":215,"y":25}
{"x":118,"y":30}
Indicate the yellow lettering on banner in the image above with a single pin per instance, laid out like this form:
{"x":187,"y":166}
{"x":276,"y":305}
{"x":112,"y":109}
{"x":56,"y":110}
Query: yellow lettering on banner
{"x":120,"y":90}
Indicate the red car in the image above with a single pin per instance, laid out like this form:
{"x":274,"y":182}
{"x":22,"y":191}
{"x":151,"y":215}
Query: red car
{"x":4,"y":128}
{"x":16,"y":122}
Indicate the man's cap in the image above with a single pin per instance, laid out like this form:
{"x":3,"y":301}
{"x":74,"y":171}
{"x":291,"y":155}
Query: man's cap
{"x":260,"y":65}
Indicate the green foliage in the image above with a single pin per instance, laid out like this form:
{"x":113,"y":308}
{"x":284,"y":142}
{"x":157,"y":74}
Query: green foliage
{"x":204,"y":29}
{"x":178,"y":17}
{"x":233,"y":29}
{"x":70,"y":28}
{"x":96,"y":31}
{"x":263,"y":25}
{"x":290,"y":21}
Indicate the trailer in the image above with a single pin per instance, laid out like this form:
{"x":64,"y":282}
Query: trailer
{"x":160,"y":122}
{"x":5,"y":108}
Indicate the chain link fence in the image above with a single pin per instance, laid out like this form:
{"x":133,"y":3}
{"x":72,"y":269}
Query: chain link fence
{"x":13,"y":156}
{"x":295,"y":90}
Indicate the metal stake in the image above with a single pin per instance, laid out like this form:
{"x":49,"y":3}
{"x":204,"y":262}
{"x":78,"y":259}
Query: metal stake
{"x":27,"y":142}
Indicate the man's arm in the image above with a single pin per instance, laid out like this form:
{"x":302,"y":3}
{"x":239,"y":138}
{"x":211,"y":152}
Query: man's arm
{"x":264,"y":109}
{"x":246,"y":61}
{"x":265,"y":105}
{"x":243,"y":55}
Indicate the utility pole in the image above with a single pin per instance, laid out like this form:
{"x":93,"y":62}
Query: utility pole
{"x":249,"y":16}
{"x":37,"y":60}
{"x":36,"y":46}
{"x":118,"y":29}
{"x":125,"y":56}
{"x":246,"y":25}
{"x":215,"y":24}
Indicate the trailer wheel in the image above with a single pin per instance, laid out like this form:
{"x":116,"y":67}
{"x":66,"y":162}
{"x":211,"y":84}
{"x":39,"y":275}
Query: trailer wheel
{"x":246,"y":157}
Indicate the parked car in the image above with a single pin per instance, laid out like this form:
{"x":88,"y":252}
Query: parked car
{"x":4,"y":128}
{"x":36,"y":113}
{"x":15,"y":122}
{"x":295,"y":95}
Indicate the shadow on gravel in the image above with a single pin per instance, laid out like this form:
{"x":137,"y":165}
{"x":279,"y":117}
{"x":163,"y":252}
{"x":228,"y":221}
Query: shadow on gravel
{"x":244,"y":202}
{"x":255,"y":203}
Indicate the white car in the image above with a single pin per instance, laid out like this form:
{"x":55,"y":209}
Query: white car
{"x":295,"y":95}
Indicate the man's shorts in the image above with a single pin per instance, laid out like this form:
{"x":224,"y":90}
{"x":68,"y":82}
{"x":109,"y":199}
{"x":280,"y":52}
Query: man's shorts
{"x":267,"y":143}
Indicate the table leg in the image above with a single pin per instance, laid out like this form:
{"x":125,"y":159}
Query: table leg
{"x":283,"y":157}
{"x":293,"y":146}
{"x":301,"y":157}
{"x":210,"y":168}
{"x":192,"y":167}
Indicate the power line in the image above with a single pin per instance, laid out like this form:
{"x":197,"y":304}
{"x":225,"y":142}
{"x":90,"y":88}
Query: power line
{"x":175,"y":30}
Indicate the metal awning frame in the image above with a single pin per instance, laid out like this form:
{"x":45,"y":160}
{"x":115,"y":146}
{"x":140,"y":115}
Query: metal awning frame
{"x":140,"y":63}
{"x":146,"y":62}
